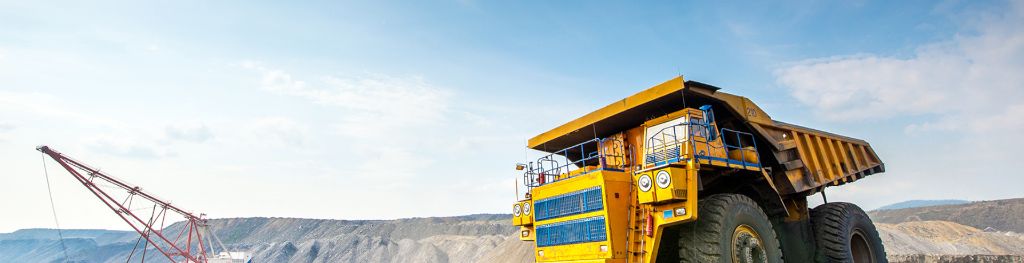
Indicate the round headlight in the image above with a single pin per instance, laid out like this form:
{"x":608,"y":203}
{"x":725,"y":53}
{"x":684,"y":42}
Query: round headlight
{"x":517,"y":210}
{"x":664,"y":179}
{"x":644,"y":182}
{"x":526,"y":208}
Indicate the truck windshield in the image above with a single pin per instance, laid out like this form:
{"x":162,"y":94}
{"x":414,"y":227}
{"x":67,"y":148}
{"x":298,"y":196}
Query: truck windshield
{"x":667,"y":134}
{"x":665,"y":140}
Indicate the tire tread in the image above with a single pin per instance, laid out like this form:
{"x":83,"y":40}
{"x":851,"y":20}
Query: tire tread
{"x":831,"y":222}
{"x":699,"y":241}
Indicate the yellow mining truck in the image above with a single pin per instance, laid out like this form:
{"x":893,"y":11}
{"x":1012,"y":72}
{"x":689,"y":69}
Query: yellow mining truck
{"x":682,"y":172}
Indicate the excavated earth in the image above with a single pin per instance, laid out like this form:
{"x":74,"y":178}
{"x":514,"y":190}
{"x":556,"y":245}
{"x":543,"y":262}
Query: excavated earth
{"x":949,"y":242}
{"x":474,"y":238}
{"x":983,"y":234}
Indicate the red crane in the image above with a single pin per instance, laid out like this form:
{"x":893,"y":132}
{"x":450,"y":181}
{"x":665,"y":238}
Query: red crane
{"x":187,"y":246}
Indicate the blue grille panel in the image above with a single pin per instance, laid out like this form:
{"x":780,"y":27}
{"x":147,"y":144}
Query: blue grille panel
{"x":669,"y":154}
{"x":586,"y":200}
{"x":583,"y":230}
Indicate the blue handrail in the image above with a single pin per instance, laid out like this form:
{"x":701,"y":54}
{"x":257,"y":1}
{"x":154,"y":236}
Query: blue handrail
{"x":557,"y":165}
{"x":666,"y":152}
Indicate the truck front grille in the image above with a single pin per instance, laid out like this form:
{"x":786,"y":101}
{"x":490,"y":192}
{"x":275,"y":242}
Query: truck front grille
{"x":582,"y":230}
{"x":578,"y":202}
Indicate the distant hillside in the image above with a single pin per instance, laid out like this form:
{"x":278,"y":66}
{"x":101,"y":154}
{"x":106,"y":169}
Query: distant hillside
{"x":922,"y":203}
{"x":1001,"y":215}
{"x":944,"y":233}
{"x":473,"y":238}
{"x":100,"y":236}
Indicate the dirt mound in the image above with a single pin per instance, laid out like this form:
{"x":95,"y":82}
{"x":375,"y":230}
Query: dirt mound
{"x":480,"y":238}
{"x":1000,"y":215}
{"x":947,"y":238}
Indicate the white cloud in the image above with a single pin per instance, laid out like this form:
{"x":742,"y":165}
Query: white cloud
{"x":124,"y":147}
{"x":962,"y":101}
{"x":190,"y":132}
{"x":964,"y":81}
{"x":4,"y":128}
{"x":44,"y":104}
{"x":119,"y":138}
{"x":373,"y":103}
{"x":387,"y":119}
{"x":282,"y":130}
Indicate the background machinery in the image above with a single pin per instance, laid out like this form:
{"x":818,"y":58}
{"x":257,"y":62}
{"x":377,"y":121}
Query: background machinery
{"x":186,"y":242}
{"x":682,"y":172}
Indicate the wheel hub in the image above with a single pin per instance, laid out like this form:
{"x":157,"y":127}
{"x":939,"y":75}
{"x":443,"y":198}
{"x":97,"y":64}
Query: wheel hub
{"x":747,"y":246}
{"x":860,"y":249}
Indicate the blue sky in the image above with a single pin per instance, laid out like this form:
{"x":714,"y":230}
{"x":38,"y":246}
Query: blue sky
{"x":361,"y":110}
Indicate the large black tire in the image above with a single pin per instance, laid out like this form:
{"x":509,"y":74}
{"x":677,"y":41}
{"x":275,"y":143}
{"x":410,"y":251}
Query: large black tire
{"x":844,"y":233}
{"x":729,"y":228}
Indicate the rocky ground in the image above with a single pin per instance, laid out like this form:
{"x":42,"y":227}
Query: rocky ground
{"x":959,"y":233}
{"x":986,"y":231}
{"x":947,"y":238}
{"x":998,"y":215}
{"x":475,"y":238}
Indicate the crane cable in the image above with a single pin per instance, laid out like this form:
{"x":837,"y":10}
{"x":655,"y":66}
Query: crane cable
{"x":53,"y":208}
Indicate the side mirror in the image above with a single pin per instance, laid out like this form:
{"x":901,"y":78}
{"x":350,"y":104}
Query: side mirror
{"x":520,"y":167}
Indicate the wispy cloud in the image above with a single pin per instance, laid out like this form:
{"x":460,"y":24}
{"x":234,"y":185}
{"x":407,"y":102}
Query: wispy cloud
{"x":4,"y":128}
{"x":119,"y":138}
{"x":961,"y":83}
{"x":372,"y":101}
{"x":387,"y":119}
{"x":960,"y":100}
{"x":123,"y":147}
{"x":190,"y":132}
{"x":45,"y":104}
{"x":281,"y":130}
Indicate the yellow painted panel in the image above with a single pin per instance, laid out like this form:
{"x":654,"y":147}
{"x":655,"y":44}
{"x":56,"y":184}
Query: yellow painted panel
{"x":811,"y":151}
{"x":820,"y":148}
{"x":848,"y":151}
{"x":525,"y":216}
{"x":572,"y":252}
{"x":662,"y":220}
{"x":578,"y":183}
{"x":676,"y":188}
{"x":830,"y":151}
{"x":527,"y":234}
{"x":616,"y":195}
{"x":648,"y":196}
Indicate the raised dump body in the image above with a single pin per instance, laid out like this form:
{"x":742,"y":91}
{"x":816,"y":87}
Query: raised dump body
{"x":621,"y":181}
{"x":814,"y":159}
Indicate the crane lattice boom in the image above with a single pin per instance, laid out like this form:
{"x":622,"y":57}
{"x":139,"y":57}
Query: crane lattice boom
{"x":188,"y":244}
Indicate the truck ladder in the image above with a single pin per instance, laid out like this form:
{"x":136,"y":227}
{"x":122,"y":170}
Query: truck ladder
{"x":635,"y":235}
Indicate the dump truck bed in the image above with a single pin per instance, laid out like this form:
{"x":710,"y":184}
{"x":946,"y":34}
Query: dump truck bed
{"x":800,"y":160}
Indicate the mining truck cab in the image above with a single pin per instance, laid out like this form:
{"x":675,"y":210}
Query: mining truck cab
{"x":693,"y":133}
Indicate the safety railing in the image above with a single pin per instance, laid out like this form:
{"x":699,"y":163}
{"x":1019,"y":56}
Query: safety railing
{"x":666,"y":145}
{"x":583,"y":158}
{"x":741,"y":150}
